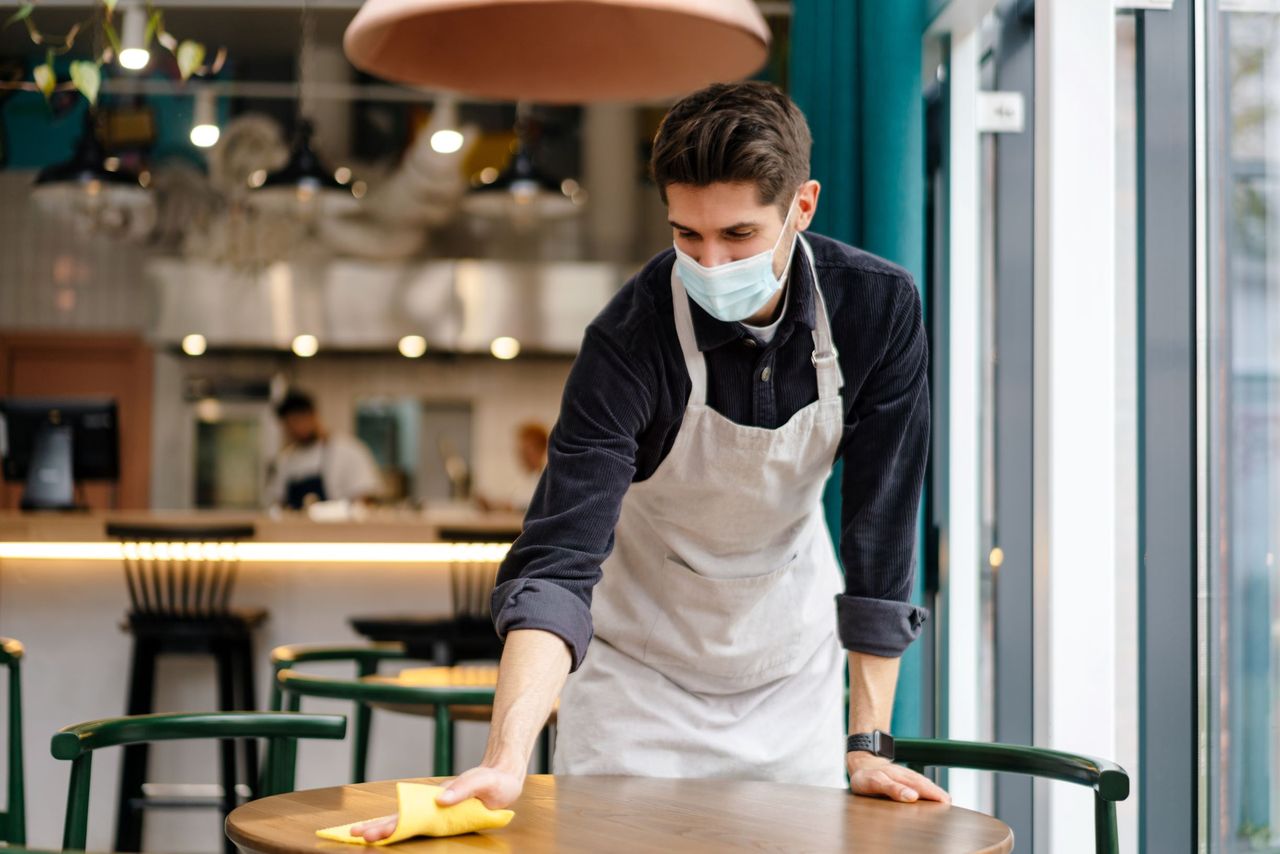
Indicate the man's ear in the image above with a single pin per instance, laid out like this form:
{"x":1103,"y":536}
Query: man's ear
{"x":807,"y":201}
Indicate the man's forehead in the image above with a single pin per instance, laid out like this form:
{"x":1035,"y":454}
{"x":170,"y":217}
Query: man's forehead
{"x":721,"y":206}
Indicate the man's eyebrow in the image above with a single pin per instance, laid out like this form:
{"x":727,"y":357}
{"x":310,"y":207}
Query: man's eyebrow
{"x":735,"y":227}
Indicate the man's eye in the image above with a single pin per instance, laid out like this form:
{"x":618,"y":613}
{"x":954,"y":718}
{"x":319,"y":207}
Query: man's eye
{"x":687,"y":235}
{"x":740,"y":235}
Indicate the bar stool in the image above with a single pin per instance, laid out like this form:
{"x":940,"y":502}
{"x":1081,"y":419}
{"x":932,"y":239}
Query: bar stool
{"x":180,"y":581}
{"x":466,"y":634}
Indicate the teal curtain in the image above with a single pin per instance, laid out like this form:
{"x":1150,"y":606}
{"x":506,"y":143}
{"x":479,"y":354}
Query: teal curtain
{"x":855,"y":71}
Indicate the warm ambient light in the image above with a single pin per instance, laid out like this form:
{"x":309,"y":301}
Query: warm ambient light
{"x":133,"y":33}
{"x":412,"y":346}
{"x":204,"y":129}
{"x":997,"y":557}
{"x":409,"y":553}
{"x":305,"y":346}
{"x":505,"y":348}
{"x":446,"y":141}
{"x":194,"y":344}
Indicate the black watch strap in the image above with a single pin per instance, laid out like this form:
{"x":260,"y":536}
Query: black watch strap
{"x":877,"y":742}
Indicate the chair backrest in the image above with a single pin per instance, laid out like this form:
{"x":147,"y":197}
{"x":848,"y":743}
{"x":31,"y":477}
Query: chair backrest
{"x":77,"y":743}
{"x":13,"y":821}
{"x":1108,"y":780}
{"x":180,"y":572}
{"x":366,"y":658}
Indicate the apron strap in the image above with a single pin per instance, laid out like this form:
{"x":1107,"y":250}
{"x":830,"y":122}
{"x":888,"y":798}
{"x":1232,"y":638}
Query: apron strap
{"x":694,"y":361}
{"x":825,"y":357}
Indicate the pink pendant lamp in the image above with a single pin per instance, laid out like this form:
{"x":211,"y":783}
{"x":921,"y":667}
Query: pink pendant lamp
{"x":559,"y":51}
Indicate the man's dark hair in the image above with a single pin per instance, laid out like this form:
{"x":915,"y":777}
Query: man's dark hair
{"x":295,"y":401}
{"x":734,"y":132}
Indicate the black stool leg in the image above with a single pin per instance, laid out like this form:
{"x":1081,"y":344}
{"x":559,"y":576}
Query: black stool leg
{"x":247,"y":702}
{"x":133,"y":769}
{"x":224,"y":653}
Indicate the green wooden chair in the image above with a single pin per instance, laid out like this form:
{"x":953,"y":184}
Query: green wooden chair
{"x":13,"y":821}
{"x":439,"y":699}
{"x":1109,"y":781}
{"x":365,"y":658}
{"x":77,"y":743}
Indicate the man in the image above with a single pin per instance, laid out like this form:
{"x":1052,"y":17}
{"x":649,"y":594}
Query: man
{"x":316,"y":466}
{"x":683,"y":488}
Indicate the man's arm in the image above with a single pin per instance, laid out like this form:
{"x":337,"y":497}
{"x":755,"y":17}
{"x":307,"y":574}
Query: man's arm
{"x":884,"y":464}
{"x":872,"y":680}
{"x":532,"y":672}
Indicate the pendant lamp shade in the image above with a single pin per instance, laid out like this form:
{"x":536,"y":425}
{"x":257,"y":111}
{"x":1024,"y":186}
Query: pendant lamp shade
{"x":559,"y":51}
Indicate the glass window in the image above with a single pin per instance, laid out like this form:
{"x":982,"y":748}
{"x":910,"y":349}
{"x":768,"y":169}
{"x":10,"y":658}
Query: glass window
{"x":1244,"y":429}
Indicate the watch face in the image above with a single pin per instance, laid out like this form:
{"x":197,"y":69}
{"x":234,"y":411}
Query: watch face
{"x":882,"y":744}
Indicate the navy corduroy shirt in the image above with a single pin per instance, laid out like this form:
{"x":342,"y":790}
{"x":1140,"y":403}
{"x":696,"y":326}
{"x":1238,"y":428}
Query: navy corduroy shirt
{"x":625,"y":399}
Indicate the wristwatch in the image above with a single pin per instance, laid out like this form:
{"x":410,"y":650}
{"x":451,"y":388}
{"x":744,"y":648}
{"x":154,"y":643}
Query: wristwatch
{"x":877,"y":743}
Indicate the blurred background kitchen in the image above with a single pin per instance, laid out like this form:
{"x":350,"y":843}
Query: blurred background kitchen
{"x":421,"y":264}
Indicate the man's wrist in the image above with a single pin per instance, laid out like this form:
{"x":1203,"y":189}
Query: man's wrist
{"x":863,"y":759}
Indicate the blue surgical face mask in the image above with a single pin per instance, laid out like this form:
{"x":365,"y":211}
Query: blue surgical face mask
{"x":739,"y":289}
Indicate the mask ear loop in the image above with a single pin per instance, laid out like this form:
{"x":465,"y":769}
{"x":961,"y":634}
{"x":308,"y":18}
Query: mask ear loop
{"x":795,"y":238}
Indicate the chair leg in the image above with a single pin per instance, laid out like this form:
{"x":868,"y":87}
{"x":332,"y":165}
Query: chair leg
{"x":224,"y":654}
{"x":1106,"y":836}
{"x":247,"y":702}
{"x":360,"y":755}
{"x":444,"y":741}
{"x":133,"y":767}
{"x":544,"y":749}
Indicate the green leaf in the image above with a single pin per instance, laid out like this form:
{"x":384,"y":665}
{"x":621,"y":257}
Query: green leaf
{"x":46,"y":79}
{"x":110,"y":4}
{"x":87,"y":78}
{"x":24,"y":11}
{"x":112,"y":36}
{"x":167,"y":40}
{"x":190,"y":57}
{"x":155,"y":24}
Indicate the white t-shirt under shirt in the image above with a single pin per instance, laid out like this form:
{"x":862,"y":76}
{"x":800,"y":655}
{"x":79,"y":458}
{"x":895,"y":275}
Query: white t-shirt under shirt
{"x":343,"y":462}
{"x":766,"y":333}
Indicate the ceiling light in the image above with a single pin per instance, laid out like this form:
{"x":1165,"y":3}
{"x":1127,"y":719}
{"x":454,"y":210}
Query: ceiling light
{"x":133,"y":33}
{"x":194,"y":344}
{"x":412,"y":346}
{"x":505,"y":348}
{"x":204,"y":130}
{"x":305,"y":346}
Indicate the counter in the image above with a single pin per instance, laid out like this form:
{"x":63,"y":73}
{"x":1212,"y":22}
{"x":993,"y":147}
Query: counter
{"x":63,"y":594}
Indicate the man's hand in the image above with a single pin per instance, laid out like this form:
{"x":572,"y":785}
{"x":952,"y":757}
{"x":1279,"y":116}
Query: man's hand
{"x":496,"y":788}
{"x":876,"y":776}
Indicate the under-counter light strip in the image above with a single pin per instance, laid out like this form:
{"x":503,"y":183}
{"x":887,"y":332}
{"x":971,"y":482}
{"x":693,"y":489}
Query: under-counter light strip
{"x":252,"y":552}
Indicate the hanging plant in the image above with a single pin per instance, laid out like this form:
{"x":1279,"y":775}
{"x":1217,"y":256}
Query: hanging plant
{"x":85,"y":76}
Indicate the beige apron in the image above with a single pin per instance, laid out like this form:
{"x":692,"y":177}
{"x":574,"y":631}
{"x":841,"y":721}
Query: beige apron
{"x":715,"y":650}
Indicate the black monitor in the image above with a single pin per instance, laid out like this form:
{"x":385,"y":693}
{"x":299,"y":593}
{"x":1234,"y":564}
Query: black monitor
{"x":51,"y":444}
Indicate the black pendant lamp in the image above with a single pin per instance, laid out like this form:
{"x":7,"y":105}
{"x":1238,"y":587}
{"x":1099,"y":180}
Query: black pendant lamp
{"x":82,"y":190}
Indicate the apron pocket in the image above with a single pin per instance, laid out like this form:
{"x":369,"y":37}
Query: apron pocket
{"x":727,"y":635}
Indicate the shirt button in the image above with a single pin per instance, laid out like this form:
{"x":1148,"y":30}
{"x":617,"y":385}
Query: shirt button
{"x":765,"y":374}
{"x":750,"y":342}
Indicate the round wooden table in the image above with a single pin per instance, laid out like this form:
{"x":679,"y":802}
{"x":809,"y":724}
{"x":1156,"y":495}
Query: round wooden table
{"x":624,"y":814}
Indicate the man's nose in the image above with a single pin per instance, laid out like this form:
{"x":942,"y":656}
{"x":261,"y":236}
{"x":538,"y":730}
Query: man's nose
{"x":714,"y":256}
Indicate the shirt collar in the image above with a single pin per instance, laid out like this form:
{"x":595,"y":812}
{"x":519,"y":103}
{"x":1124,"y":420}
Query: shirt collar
{"x":712,"y":333}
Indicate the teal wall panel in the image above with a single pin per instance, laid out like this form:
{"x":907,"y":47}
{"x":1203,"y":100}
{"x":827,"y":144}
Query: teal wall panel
{"x":855,"y":71}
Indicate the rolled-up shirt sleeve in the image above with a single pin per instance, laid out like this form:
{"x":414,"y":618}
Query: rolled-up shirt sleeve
{"x":884,"y":466}
{"x":546,"y":580}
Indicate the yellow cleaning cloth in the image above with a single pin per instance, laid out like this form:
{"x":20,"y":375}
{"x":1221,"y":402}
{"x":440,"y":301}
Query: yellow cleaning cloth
{"x":420,"y":815}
